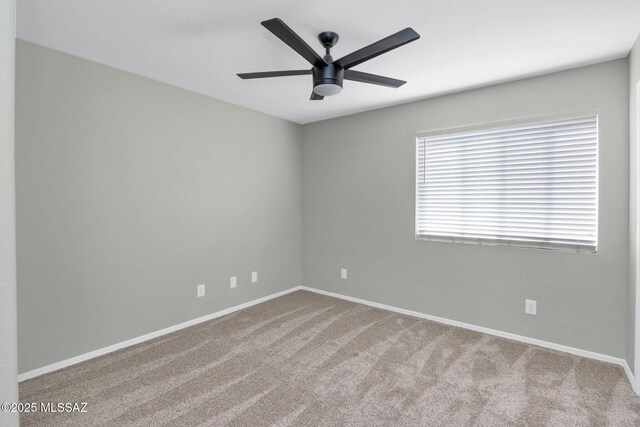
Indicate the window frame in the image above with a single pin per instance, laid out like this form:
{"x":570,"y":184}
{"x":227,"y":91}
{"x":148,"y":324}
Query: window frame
{"x":502,"y":124}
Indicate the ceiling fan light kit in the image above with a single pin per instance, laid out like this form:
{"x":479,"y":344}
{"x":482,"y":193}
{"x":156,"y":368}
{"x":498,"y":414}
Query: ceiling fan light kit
{"x":328,"y":74}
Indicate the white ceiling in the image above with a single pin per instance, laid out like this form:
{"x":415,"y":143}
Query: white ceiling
{"x":200,"y":45}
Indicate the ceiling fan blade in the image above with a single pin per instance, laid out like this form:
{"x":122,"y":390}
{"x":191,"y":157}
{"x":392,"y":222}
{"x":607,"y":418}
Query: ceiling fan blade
{"x":263,"y":74}
{"x":287,"y":35}
{"x":374,"y":79}
{"x":378,"y":48}
{"x":316,"y":97}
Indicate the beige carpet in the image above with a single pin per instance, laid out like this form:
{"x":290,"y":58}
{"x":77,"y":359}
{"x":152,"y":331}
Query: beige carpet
{"x":307,"y":359}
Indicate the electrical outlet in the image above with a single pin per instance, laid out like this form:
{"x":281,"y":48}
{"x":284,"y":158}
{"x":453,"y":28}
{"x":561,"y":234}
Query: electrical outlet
{"x":530,"y":306}
{"x":254,"y":277}
{"x":343,"y":273}
{"x":233,"y":281}
{"x":200,"y":290}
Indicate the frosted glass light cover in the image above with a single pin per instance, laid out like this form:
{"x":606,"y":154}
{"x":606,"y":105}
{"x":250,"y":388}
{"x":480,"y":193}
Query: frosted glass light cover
{"x":327,"y":89}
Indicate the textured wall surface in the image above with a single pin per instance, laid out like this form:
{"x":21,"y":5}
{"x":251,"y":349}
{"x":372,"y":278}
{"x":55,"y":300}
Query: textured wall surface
{"x":358,"y":213}
{"x":634,"y":141}
{"x":8,"y":335}
{"x":130,"y":193}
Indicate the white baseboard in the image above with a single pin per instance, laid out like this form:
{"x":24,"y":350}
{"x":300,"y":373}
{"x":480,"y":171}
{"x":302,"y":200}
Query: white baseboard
{"x":632,"y":380}
{"x":559,"y":347}
{"x":534,"y":341}
{"x":102,"y":351}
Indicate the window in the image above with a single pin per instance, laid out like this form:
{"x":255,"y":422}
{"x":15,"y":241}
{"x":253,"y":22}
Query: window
{"x":532,"y":185}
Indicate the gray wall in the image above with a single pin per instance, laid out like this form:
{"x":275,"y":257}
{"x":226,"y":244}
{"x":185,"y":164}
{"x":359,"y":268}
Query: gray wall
{"x":634,"y":124}
{"x":130,"y":193}
{"x":8,"y":335}
{"x":358,"y":213}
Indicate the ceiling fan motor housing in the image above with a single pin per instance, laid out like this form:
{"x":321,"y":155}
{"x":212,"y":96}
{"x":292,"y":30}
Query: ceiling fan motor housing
{"x":330,"y":74}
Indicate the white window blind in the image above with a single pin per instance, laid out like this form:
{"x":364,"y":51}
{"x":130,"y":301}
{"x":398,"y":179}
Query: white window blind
{"x":531,"y":185}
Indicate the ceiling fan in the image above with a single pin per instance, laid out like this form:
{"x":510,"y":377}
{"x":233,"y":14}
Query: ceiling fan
{"x":327,"y":73}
